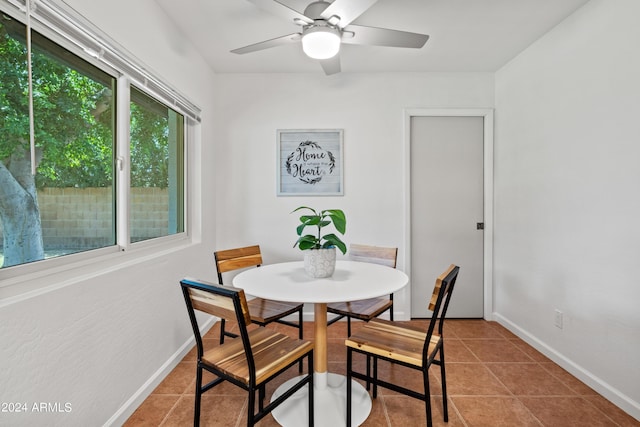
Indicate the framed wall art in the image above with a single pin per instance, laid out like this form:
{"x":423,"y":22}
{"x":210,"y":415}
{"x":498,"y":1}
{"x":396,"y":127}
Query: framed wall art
{"x":310,"y":162}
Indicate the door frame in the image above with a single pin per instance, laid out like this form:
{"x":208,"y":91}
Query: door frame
{"x":404,"y":306}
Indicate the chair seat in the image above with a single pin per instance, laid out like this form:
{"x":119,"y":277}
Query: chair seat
{"x":272,"y":351}
{"x":265,"y":311}
{"x":366,"y":309}
{"x":403,"y":343}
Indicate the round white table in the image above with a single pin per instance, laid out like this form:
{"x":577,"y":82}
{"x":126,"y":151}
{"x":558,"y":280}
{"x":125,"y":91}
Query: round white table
{"x":351,"y":281}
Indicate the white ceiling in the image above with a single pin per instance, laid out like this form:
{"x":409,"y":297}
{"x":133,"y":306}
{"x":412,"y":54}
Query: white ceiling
{"x":465,"y":35}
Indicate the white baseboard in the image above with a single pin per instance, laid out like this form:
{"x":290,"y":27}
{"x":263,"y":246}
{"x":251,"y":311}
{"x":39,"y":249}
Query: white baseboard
{"x":129,"y":407}
{"x":614,"y":395}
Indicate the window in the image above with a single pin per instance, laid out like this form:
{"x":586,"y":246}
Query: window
{"x":74,"y":202}
{"x":156,"y":168}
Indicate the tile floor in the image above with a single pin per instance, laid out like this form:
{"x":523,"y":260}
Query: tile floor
{"x":493,"y":379}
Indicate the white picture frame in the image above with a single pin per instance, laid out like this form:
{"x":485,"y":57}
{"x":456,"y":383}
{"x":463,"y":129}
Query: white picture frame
{"x":310,"y":162}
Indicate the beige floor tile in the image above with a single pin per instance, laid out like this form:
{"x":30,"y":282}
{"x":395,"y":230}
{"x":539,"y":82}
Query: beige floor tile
{"x":456,"y":351}
{"x":496,"y":350}
{"x":472,"y":379}
{"x":377,"y":417}
{"x":473,"y":328}
{"x":179,"y":380}
{"x":569,"y":380}
{"x":410,"y":378}
{"x":612,"y":411}
{"x":494,"y":411}
{"x":530,"y":351}
{"x":503,"y":331}
{"x":406,"y":411}
{"x":153,"y":410}
{"x":566,"y":412}
{"x":529,"y":379}
{"x":216,"y":411}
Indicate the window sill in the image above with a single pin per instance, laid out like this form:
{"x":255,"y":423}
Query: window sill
{"x":24,"y":282}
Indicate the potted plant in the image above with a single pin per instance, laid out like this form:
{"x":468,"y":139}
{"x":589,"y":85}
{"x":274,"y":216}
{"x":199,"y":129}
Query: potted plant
{"x":320,"y":250}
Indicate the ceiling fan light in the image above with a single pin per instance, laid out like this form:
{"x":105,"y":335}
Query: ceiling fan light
{"x":321,"y":42}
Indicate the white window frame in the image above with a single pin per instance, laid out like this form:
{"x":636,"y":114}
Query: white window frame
{"x":73,"y":32}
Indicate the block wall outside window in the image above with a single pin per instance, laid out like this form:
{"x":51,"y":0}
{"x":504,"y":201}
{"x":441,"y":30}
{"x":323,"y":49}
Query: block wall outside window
{"x":83,"y":221}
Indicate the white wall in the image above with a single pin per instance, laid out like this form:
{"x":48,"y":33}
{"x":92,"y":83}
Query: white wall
{"x":567,"y":199}
{"x":369,"y":107}
{"x":101,"y":332}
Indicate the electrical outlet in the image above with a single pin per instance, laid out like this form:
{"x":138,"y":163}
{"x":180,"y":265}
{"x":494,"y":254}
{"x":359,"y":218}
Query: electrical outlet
{"x":558,"y":319}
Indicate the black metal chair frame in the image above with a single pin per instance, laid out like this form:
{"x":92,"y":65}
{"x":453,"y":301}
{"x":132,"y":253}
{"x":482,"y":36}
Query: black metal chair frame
{"x":338,"y":316}
{"x":444,"y":296}
{"x":253,"y":418}
{"x":299,"y":325}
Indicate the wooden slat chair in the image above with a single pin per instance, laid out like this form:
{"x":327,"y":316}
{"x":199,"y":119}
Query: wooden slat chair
{"x":405,"y":345}
{"x":250,"y":362}
{"x":262,"y":311}
{"x":369,"y":308}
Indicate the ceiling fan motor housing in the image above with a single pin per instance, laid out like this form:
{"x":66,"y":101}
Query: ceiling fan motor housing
{"x":315,"y":9}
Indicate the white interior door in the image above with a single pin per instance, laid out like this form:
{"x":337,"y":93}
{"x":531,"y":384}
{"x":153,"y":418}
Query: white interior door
{"x":446,"y":209}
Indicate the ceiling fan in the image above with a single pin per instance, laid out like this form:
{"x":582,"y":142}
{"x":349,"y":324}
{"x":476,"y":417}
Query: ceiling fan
{"x":326,"y":25}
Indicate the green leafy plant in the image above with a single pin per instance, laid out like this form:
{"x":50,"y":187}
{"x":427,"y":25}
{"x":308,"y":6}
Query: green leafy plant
{"x":320,"y":220}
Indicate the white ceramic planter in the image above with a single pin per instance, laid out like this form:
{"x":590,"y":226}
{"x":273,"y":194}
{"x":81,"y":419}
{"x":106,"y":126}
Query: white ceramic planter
{"x":320,"y":262}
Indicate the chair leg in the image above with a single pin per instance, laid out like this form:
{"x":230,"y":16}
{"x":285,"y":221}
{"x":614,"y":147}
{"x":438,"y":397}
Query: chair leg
{"x":427,"y":396}
{"x":300,"y":336}
{"x":368,"y":372}
{"x":196,"y":410}
{"x":311,"y":396}
{"x":348,"y":326}
{"x":251,"y":407}
{"x":221,"y":331}
{"x":349,"y":360}
{"x":261,"y":396}
{"x":443,"y":377}
{"x":375,"y":377}
{"x":300,"y":324}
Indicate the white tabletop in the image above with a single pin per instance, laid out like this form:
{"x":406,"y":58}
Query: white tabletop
{"x":351,"y":281}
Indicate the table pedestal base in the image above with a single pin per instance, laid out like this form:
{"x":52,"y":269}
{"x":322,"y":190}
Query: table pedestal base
{"x":330,"y":401}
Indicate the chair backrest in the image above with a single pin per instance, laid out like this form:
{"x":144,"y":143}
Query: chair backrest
{"x":374,"y":254}
{"x":235,"y":259}
{"x":440,"y":301}
{"x":225,"y":302}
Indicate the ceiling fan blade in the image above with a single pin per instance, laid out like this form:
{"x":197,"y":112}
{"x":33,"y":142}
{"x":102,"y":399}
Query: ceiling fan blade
{"x":331,"y":65}
{"x":383,"y":37}
{"x":347,"y":10}
{"x":276,"y":8}
{"x":278,"y":41}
